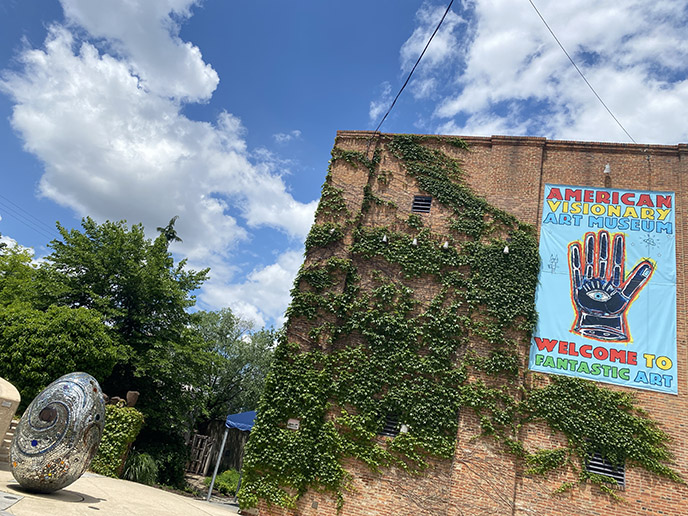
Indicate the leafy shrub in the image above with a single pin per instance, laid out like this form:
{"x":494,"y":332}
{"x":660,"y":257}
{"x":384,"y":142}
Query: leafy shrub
{"x":141,"y":468}
{"x":226,"y":482}
{"x":170,"y":454}
{"x":122,"y":425}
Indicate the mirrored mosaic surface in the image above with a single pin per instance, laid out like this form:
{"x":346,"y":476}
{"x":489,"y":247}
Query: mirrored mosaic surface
{"x":59,"y":434}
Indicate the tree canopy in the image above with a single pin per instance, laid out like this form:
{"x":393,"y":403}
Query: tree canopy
{"x":235,"y":364}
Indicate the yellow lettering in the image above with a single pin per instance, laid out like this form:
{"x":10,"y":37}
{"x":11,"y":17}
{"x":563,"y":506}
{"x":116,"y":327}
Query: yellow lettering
{"x":630,"y":212}
{"x":664,"y":363}
{"x":614,"y":211}
{"x":663,"y":213}
{"x":647,"y":213}
{"x":598,"y":209}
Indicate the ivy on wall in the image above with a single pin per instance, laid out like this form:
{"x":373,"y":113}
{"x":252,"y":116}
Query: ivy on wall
{"x":322,"y":234}
{"x":363,"y":345}
{"x":597,"y":420}
{"x":122,"y":425}
{"x":331,"y":201}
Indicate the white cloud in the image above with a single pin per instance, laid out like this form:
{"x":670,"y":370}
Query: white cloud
{"x":423,"y":88}
{"x":146,"y":34}
{"x":108,"y":128}
{"x":287,"y":137}
{"x":378,"y":107}
{"x":509,"y":75}
{"x":9,"y":241}
{"x":483,"y":123}
{"x":446,"y":47}
{"x":265,"y":287}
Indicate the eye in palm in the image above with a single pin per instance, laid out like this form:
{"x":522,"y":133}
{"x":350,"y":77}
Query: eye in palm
{"x":600,"y":290}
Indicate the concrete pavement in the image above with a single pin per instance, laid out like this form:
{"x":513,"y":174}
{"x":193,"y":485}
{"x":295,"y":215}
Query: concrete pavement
{"x":102,"y":496}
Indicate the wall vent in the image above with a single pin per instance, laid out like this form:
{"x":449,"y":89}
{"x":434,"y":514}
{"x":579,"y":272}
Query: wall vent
{"x":599,"y":465}
{"x":392,"y":426}
{"x":421,"y":203}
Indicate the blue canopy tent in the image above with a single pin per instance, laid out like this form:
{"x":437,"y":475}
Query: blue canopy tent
{"x":242,"y":421}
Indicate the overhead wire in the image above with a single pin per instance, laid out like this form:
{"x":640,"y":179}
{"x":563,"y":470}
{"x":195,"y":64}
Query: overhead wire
{"x":411,"y":72}
{"x":8,"y":207}
{"x":28,"y":224}
{"x":544,"y":21}
{"x":28,"y":214}
{"x":581,"y":73}
{"x":39,"y":226}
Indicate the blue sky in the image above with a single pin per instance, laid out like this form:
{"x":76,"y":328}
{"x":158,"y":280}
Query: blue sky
{"x":225,"y":112}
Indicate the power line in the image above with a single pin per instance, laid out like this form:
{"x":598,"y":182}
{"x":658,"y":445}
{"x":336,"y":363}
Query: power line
{"x":413,"y":69}
{"x":24,"y":217}
{"x":8,"y":212}
{"x":579,"y":71}
{"x":28,"y":214}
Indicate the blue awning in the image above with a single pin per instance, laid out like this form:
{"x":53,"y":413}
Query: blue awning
{"x":243,"y":421}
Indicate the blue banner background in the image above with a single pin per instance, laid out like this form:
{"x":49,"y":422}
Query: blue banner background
{"x":651,"y":315}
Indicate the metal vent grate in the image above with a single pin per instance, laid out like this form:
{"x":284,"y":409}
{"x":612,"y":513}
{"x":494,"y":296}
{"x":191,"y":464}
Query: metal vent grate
{"x":392,"y":426}
{"x":421,"y":203}
{"x":599,"y":465}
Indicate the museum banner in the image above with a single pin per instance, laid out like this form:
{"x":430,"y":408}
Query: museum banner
{"x":606,"y":299}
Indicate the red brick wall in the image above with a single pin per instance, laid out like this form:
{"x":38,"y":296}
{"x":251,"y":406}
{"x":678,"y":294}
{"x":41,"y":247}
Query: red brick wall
{"x":510,"y":172}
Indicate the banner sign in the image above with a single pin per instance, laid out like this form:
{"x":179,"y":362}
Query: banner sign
{"x":606,"y":299}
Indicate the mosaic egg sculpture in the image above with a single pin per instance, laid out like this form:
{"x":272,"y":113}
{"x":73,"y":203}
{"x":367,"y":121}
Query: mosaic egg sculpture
{"x":59,"y":434}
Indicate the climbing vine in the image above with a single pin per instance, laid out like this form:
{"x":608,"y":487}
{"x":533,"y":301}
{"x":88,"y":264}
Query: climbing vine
{"x":365,"y":344}
{"x":322,"y":234}
{"x":122,"y":425}
{"x":331,"y":202}
{"x":598,"y":420}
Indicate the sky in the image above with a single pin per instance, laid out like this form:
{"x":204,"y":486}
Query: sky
{"x":224,"y":113}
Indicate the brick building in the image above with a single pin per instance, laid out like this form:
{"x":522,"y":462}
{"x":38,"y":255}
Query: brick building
{"x":510,"y":173}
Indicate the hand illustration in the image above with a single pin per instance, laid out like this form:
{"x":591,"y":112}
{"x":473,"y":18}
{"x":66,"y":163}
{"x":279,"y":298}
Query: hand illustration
{"x":600,"y":291}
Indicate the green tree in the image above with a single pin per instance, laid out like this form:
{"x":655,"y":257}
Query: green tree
{"x":169,"y":232}
{"x":236,"y":362}
{"x":40,"y":342}
{"x":17,"y":275}
{"x":132,"y":280}
{"x":112,"y":303}
{"x":37,"y":347}
{"x":143,"y":296}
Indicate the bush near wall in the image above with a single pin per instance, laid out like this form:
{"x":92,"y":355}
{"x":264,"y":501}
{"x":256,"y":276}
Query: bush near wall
{"x":226,"y":482}
{"x":122,"y":425}
{"x":170,"y":453}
